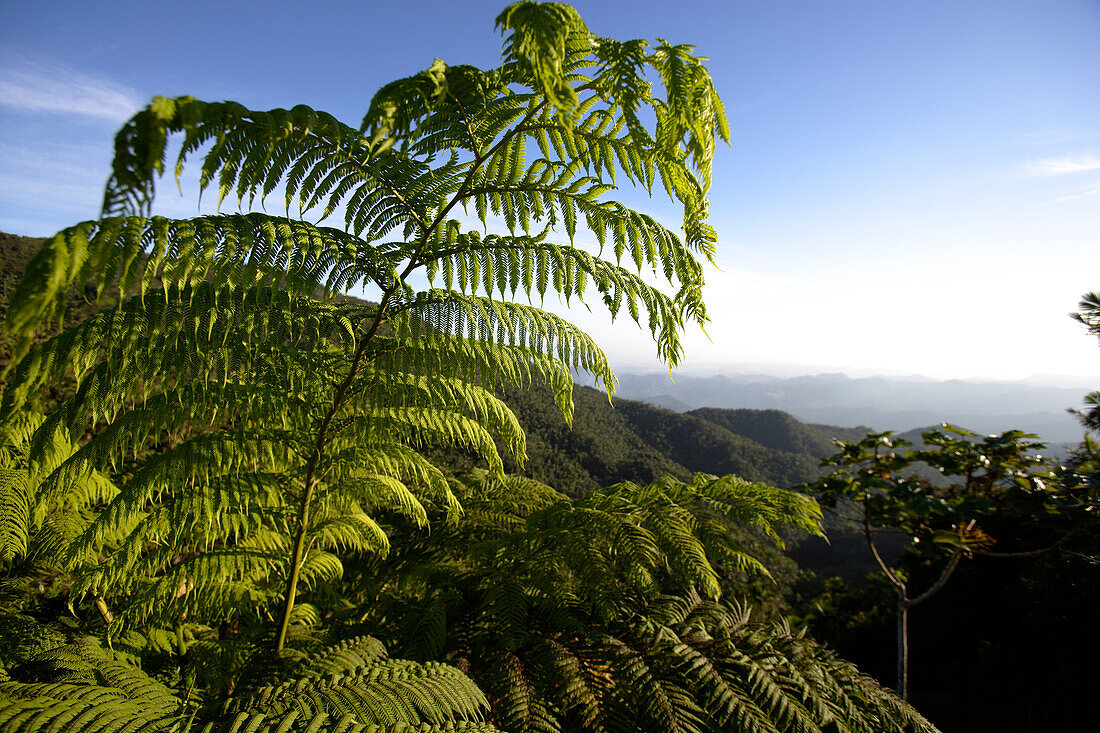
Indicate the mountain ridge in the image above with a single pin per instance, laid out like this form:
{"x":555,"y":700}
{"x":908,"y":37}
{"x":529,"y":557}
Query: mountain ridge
{"x":624,"y":439}
{"x":880,"y":403}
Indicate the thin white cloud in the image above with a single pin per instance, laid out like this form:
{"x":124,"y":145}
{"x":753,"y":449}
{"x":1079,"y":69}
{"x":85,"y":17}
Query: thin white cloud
{"x":28,"y":85}
{"x":1063,"y":165}
{"x":1082,"y":194}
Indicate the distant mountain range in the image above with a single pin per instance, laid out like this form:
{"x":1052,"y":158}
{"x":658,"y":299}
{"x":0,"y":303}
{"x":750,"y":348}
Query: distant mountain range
{"x":879,"y":403}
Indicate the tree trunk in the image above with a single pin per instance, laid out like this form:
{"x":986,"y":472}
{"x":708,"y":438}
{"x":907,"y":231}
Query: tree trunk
{"x":903,"y":647}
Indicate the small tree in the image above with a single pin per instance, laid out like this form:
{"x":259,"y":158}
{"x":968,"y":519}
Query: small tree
{"x":879,"y":484}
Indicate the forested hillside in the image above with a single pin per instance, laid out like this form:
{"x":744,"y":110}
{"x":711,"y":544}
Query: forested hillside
{"x":780,"y":430}
{"x":629,"y":440}
{"x":15,"y":252}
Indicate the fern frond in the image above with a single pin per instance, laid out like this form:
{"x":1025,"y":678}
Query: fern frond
{"x":379,"y":390}
{"x":478,"y":363}
{"x":238,"y":250}
{"x":311,"y":153}
{"x":491,"y":321}
{"x":424,"y":427}
{"x":221,"y":453}
{"x":539,"y":38}
{"x":36,"y":525}
{"x":15,"y":512}
{"x":382,"y":691}
{"x":350,"y":687}
{"x":194,"y":332}
{"x":345,"y":657}
{"x":89,"y":688}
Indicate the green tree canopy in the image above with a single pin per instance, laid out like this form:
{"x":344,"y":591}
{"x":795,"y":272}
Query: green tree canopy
{"x":988,"y":482}
{"x":1088,"y":314}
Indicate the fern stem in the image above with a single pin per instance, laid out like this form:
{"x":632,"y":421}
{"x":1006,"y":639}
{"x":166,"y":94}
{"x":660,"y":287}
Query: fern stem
{"x":104,"y":611}
{"x":296,"y":559}
{"x":311,"y":481}
{"x":342,"y":390}
{"x":318,"y":448}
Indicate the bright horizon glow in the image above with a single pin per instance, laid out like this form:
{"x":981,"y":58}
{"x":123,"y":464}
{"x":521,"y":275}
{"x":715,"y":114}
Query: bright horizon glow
{"x":913,"y":188}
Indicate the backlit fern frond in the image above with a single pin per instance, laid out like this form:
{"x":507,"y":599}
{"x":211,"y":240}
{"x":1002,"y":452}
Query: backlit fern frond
{"x":225,"y":355}
{"x":354,"y":686}
{"x":382,"y":389}
{"x":253,"y":152}
{"x":531,"y":266}
{"x":511,"y":324}
{"x":751,"y":504}
{"x":474,"y":361}
{"x":135,"y":253}
{"x":39,"y":517}
{"x":205,"y":338}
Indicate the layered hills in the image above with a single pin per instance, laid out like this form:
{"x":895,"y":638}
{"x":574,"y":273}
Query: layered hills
{"x":883,"y":403}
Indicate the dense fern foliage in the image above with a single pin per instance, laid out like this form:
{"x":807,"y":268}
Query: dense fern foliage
{"x":605,"y":613}
{"x":40,"y":520}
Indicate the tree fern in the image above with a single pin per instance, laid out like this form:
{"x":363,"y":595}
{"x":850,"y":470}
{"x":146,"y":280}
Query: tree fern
{"x":256,"y":425}
{"x":264,"y":437}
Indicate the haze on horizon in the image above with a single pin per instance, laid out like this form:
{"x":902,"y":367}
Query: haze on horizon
{"x":913,"y":188}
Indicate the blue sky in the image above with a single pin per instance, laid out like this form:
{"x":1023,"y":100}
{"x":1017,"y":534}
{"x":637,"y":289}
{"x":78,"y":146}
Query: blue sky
{"x":913,"y":187}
